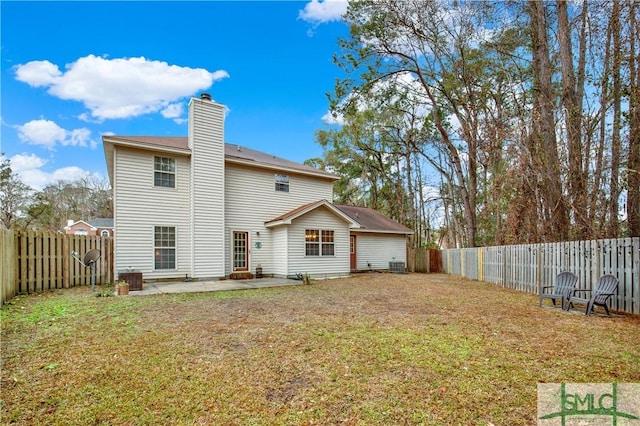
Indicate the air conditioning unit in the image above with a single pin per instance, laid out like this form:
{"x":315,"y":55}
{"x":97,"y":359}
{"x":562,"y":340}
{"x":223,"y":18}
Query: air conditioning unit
{"x":397,"y":267}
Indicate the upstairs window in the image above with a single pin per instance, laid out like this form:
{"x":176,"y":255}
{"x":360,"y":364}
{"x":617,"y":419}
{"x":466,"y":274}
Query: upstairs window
{"x":282,"y":183}
{"x":164,"y":172}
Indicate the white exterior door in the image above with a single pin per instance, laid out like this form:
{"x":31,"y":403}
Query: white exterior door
{"x":240,"y":251}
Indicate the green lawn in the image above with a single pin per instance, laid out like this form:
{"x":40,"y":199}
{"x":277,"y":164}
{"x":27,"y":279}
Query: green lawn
{"x":374,"y":349}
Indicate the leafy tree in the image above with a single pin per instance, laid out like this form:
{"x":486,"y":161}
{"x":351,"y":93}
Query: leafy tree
{"x":14,"y":196}
{"x":83,"y":199}
{"x":530,"y":120}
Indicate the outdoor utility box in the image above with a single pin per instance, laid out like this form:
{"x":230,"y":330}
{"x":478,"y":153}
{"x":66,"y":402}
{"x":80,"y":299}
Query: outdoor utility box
{"x":397,"y":267}
{"x":133,"y":278}
{"x":259,"y":271}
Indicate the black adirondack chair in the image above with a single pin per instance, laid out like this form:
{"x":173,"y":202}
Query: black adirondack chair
{"x":561,"y":291}
{"x":606,"y":287}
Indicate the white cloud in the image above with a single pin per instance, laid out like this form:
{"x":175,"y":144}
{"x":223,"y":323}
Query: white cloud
{"x":120,"y":87}
{"x":29,"y":168}
{"x":317,"y":12}
{"x":172,"y":111}
{"x":328,"y":118}
{"x":47,"y":134}
{"x":38,"y":73}
{"x":21,"y":162}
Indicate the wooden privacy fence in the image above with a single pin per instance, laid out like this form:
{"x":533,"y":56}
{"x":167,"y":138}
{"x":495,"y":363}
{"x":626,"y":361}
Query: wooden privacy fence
{"x":8,"y":284}
{"x":526,"y":267}
{"x":424,"y":260}
{"x":39,"y":261}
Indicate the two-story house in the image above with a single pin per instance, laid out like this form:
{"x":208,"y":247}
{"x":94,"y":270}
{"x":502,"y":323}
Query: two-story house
{"x":199,"y":208}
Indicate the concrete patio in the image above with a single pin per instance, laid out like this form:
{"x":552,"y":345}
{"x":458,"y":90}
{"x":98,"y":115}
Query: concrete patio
{"x":214,"y":285}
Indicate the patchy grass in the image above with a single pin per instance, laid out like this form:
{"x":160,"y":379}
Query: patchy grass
{"x":374,"y":349}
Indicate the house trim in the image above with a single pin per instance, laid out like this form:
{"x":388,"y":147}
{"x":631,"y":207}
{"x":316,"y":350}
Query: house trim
{"x":377,"y":231}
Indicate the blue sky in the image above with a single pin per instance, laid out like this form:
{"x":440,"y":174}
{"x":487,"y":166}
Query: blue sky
{"x":74,"y":71}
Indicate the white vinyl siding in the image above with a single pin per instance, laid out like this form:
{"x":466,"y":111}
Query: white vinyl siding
{"x":379,"y":249}
{"x":206,"y":139}
{"x":250,"y":201}
{"x":139,"y":206}
{"x":280,"y":251}
{"x":318,"y":266}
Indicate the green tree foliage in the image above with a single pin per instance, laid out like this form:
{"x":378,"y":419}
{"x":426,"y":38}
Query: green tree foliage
{"x":49,"y":209}
{"x":83,"y":199}
{"x":14,"y":196}
{"x":509,"y":104}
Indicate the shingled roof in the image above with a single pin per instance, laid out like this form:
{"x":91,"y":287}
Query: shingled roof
{"x":103,"y":222}
{"x":287,"y":217}
{"x":373,"y":221}
{"x":233,"y":153}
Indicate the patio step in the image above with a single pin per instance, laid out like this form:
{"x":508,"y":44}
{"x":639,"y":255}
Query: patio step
{"x":241,"y":276}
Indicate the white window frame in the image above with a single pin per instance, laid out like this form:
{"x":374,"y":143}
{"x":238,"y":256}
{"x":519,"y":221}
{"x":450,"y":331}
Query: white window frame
{"x":165,"y":170}
{"x":321,"y":241}
{"x":312,"y":240}
{"x":171,"y":249}
{"x":281,"y":183}
{"x":325,"y":244}
{"x":104,"y":233}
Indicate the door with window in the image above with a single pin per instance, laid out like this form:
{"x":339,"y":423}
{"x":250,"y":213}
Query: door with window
{"x":352,"y":252}
{"x":240,"y":251}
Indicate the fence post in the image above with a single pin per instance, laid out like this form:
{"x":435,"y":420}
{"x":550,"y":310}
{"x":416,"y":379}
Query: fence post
{"x":462,"y":264}
{"x":480,"y":264}
{"x":539,"y":268}
{"x":635,"y":278}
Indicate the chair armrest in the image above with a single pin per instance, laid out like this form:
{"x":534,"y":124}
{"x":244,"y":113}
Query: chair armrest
{"x":578,"y":290}
{"x":547,"y":286}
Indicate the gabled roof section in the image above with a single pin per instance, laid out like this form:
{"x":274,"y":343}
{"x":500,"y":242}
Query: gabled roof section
{"x":373,"y":221}
{"x":96,"y":223}
{"x":288,"y":217}
{"x":93,"y":228}
{"x":233,"y":154}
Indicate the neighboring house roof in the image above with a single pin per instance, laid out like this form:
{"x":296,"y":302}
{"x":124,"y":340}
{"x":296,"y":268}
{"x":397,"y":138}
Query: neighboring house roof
{"x":288,"y":217}
{"x":93,"y":223}
{"x":233,"y":153}
{"x":69,"y":226}
{"x":373,"y":221}
{"x":101,"y":222}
